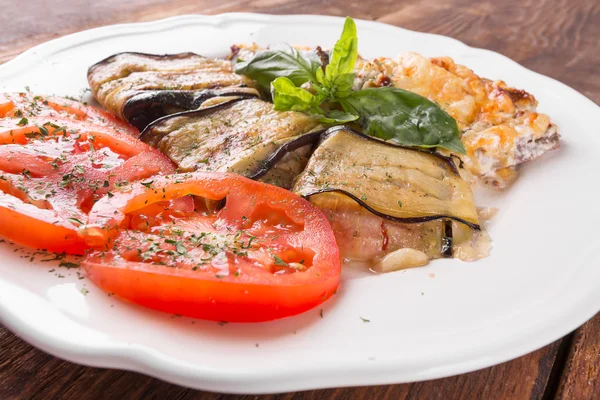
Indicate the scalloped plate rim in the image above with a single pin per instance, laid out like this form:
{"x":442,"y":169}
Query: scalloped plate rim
{"x":154,"y":363}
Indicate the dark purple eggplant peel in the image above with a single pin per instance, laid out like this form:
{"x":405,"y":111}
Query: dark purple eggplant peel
{"x":391,"y":206}
{"x":141,"y":88}
{"x":243,"y":136}
{"x":398,"y":183}
{"x":148,"y":106}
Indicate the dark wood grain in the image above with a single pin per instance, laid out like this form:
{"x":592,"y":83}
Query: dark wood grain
{"x":27,"y":373}
{"x":559,"y":38}
{"x":581,"y":375}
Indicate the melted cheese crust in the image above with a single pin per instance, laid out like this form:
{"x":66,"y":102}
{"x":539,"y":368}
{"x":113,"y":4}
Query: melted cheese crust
{"x":500,"y":125}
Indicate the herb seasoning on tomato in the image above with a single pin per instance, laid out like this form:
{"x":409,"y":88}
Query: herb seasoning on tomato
{"x":57,"y":158}
{"x":266,"y":254}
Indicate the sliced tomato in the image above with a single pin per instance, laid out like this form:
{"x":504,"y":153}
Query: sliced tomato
{"x":266,"y":254}
{"x":55,"y":164}
{"x":6,"y":105}
{"x":37,"y":227}
{"x":26,"y":105}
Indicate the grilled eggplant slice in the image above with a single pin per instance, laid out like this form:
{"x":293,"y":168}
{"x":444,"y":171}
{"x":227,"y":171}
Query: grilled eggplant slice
{"x":243,"y":136}
{"x":140,"y":88}
{"x":398,"y":183}
{"x":391,"y":206}
{"x":150,"y":105}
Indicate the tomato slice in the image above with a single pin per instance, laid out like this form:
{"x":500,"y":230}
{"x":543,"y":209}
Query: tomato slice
{"x":266,"y":254}
{"x":57,"y":158}
{"x":39,"y":228}
{"x":25,"y":105}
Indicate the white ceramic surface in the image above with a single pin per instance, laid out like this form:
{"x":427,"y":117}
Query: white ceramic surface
{"x":541,"y":281}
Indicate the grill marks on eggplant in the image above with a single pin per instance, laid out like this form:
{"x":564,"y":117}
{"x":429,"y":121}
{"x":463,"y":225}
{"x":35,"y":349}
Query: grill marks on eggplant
{"x":148,"y":106}
{"x":140,"y":88}
{"x":394,"y":182}
{"x":243,"y":136}
{"x":390,"y":206}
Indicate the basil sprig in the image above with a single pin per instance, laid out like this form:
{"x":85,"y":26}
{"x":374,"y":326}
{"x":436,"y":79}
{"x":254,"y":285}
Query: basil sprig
{"x":337,"y":79}
{"x":298,"y":82}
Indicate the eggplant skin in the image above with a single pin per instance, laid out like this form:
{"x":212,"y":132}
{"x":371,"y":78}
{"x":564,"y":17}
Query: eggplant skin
{"x":390,"y":206}
{"x":365,"y":237}
{"x":121,"y":77}
{"x":147,"y":106}
{"x":243,"y":136}
{"x":397,"y":183}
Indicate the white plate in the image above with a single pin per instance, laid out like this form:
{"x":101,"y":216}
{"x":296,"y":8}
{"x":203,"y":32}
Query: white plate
{"x":541,"y":281}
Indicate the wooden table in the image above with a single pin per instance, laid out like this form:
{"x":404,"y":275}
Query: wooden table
{"x":559,"y":38}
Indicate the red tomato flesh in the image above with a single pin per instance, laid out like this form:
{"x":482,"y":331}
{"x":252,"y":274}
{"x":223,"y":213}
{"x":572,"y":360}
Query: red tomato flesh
{"x":266,"y":254}
{"x":23,"y":105}
{"x":57,"y":158}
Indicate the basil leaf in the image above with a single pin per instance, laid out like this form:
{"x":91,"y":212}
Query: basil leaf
{"x":345,"y":52}
{"x":338,"y":117}
{"x":281,"y":61}
{"x":403,"y":117}
{"x":286,"y":97}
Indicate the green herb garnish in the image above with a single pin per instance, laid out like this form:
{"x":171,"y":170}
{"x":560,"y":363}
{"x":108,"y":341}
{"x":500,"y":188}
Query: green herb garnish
{"x":68,"y":264}
{"x":279,"y":261}
{"x":298,"y":82}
